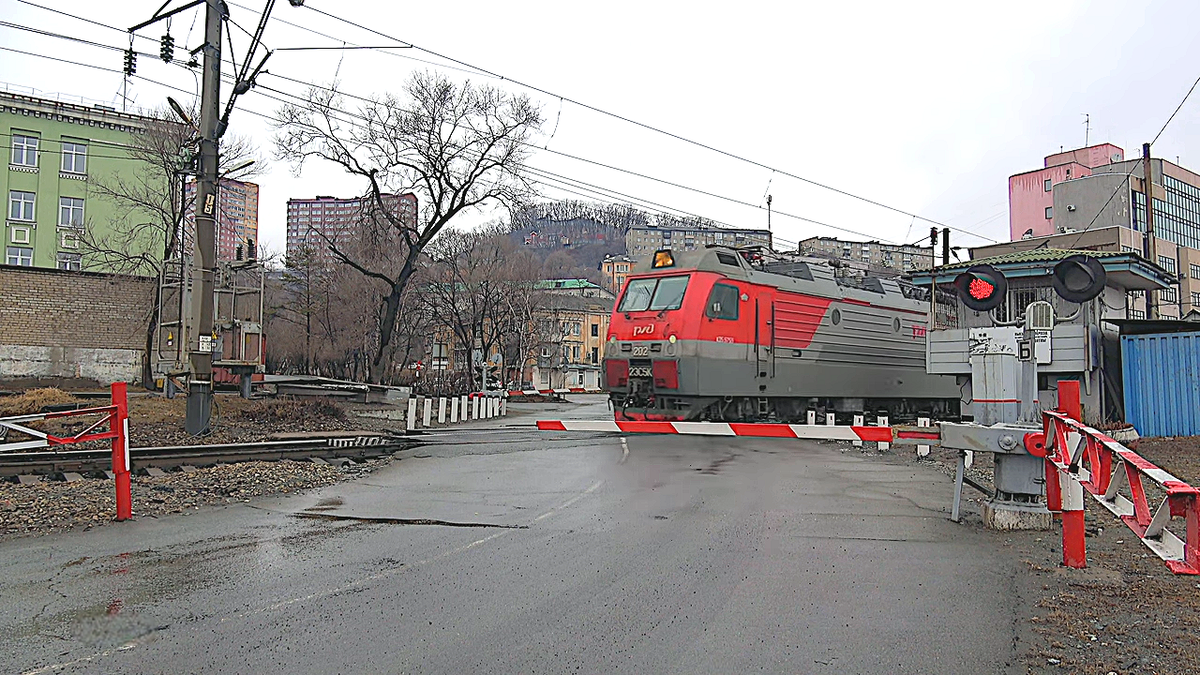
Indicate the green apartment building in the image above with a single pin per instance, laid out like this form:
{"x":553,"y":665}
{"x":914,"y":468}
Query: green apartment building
{"x":56,"y":151}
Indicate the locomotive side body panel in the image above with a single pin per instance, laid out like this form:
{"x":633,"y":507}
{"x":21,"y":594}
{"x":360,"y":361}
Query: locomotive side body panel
{"x":744,"y":343}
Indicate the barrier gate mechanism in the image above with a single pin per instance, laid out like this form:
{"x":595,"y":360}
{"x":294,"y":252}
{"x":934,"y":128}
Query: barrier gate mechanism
{"x":115,"y":417}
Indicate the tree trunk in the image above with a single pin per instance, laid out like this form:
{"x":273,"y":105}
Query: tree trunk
{"x":148,"y":353}
{"x":391,"y":309}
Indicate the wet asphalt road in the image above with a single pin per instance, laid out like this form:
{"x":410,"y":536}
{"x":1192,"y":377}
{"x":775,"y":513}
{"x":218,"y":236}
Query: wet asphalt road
{"x":505,"y":551}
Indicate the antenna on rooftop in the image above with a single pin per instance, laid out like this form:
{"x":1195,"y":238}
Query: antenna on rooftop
{"x":1087,"y":129}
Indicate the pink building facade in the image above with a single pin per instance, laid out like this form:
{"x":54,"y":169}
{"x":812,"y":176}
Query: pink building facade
{"x":1031,"y":194}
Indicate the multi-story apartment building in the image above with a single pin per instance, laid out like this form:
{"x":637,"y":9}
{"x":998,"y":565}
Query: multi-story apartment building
{"x":1104,"y":208}
{"x":315,"y":222}
{"x":56,"y":153}
{"x":869,"y":256}
{"x":237,"y":218}
{"x":570,"y":356}
{"x":615,"y":269}
{"x":643,"y":240}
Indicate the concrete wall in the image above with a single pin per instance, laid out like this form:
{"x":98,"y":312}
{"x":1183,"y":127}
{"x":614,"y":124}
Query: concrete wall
{"x":58,"y":324}
{"x":1087,"y":196}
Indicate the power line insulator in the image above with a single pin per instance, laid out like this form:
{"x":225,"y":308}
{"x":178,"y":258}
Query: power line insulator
{"x":130,"y":62}
{"x":166,"y":48}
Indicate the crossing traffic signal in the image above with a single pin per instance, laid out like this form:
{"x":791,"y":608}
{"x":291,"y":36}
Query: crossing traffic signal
{"x":1079,"y":278}
{"x":981,"y":287}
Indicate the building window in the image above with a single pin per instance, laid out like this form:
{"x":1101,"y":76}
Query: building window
{"x":20,"y":205}
{"x":1137,"y":314}
{"x":575,"y":353}
{"x":1046,"y":185}
{"x":70,"y":261}
{"x":1167,"y":295}
{"x":1167,"y":263}
{"x":19,"y":255}
{"x":70,"y":212}
{"x":24,"y":150}
{"x":595,"y":330}
{"x":1194,"y":271}
{"x":1196,"y":300}
{"x":1049,"y":212}
{"x":74,"y":157}
{"x":596,"y":350}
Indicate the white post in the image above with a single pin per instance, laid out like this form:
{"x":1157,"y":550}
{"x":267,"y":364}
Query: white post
{"x":923,"y":450}
{"x":968,"y":458}
{"x":491,"y":407}
{"x":504,"y":406}
{"x":475,"y":408}
{"x":412,"y":413}
{"x":829,"y":419}
{"x":811,"y":417}
{"x":454,"y":410}
{"x":442,"y":410}
{"x":882,"y":421}
{"x":428,"y":412}
{"x":463,"y":408}
{"x":858,"y":422}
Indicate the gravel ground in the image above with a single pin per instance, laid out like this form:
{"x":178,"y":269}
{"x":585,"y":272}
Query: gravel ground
{"x":45,"y":507}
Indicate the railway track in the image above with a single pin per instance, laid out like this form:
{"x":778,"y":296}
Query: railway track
{"x":335,"y":447}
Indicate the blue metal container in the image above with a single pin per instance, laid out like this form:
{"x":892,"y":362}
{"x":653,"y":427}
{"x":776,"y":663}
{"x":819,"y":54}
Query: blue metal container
{"x":1162,"y":383}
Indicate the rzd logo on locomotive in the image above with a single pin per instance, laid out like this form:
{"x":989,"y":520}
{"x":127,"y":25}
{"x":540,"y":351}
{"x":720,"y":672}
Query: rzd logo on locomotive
{"x":642,"y":330}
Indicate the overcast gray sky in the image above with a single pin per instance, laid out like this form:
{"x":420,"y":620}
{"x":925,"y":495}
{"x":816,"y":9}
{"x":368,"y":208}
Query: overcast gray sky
{"x":927,"y":107}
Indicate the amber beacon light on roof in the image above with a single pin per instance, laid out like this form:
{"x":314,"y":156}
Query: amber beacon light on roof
{"x":663,"y":259}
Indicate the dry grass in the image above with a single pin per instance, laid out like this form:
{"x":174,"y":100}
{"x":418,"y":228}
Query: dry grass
{"x":293,"y":410}
{"x":34,"y":400}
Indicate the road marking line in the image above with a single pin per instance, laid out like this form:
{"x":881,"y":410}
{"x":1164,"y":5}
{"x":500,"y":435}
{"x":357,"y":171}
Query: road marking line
{"x":595,"y":486}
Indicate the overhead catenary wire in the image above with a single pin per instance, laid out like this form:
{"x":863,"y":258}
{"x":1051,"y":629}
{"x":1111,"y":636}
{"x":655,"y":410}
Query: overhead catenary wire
{"x":360,"y":117}
{"x":648,"y":127}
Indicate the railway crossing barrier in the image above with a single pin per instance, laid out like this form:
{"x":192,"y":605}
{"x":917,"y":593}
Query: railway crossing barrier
{"x":108,"y":423}
{"x":1117,"y":477}
{"x":561,"y":390}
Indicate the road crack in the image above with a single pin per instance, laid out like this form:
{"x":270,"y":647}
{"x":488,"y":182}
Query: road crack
{"x":407,"y":521}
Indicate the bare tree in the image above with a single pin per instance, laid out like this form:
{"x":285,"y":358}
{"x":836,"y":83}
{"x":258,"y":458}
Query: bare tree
{"x":151,"y":205}
{"x":472,"y":284}
{"x":456,"y":147}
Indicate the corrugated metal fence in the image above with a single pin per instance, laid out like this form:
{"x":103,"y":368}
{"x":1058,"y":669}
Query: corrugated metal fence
{"x":1162,"y":383}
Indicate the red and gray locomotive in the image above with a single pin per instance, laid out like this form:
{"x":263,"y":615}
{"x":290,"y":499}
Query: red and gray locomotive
{"x":707,"y":335}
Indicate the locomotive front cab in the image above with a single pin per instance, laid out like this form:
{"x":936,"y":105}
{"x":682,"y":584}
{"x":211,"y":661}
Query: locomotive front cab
{"x":658,"y":314}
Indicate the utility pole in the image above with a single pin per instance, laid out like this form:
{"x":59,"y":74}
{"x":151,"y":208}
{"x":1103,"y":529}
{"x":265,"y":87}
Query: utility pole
{"x":946,"y":246}
{"x":768,"y":213}
{"x":1149,"y":246}
{"x":200,"y":386}
{"x":212,"y":127}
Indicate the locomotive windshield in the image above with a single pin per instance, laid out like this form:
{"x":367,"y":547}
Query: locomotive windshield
{"x":658,"y":293}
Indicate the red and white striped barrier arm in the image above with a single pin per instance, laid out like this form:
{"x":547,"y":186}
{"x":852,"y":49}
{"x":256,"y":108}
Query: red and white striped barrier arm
{"x":568,"y":390}
{"x":913,"y":435}
{"x":1114,"y":474}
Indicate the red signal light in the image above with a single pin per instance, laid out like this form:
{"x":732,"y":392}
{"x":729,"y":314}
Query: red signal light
{"x":980,"y":289}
